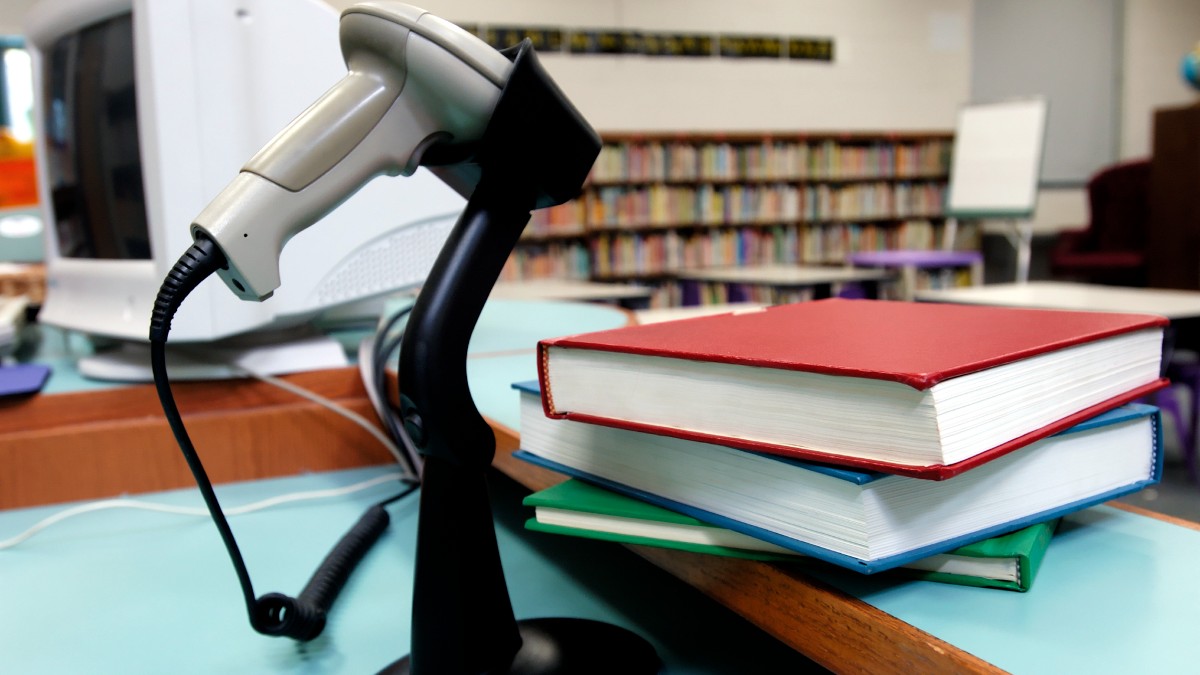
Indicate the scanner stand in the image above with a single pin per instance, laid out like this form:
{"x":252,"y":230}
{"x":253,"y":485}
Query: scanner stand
{"x":535,"y":152}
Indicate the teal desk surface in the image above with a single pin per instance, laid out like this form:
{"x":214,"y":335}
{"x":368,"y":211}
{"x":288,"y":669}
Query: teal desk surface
{"x":143,"y":592}
{"x":138,"y":592}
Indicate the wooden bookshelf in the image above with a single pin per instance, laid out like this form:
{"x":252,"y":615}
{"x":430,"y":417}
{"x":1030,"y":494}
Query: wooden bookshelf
{"x":658,"y":204}
{"x":1174,"y":227}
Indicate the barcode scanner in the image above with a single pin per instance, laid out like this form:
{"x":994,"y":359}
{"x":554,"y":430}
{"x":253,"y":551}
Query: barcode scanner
{"x":414,"y":81}
{"x":418,"y":88}
{"x":494,"y":126}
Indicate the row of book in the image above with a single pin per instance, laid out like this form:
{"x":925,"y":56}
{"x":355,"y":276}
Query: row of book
{"x":694,"y":292}
{"x":717,"y":204}
{"x":652,"y":253}
{"x":569,"y":221}
{"x":566,"y":219}
{"x":770,"y":160}
{"x":548,"y":260}
{"x":671,"y":251}
{"x":878,"y":436}
{"x":656,"y":253}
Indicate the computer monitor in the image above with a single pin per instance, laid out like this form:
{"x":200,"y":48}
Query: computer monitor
{"x":145,"y":109}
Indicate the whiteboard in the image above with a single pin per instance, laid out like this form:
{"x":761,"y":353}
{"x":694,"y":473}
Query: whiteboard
{"x":997,"y":159}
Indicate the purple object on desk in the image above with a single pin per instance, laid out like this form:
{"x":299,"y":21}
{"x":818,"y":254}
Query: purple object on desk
{"x":916,"y":258}
{"x":26,"y":378}
{"x":908,"y":261}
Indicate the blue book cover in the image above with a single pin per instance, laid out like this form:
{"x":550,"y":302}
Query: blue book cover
{"x":837,"y":515}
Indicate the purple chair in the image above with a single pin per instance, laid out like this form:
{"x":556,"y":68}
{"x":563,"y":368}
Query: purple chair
{"x":910,"y":261}
{"x":1186,"y":373}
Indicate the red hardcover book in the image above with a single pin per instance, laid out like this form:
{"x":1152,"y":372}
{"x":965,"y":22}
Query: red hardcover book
{"x":925,"y":390}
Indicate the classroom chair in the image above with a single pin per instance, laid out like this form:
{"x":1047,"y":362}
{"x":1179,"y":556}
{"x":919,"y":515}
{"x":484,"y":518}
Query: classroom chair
{"x":1112,"y":248}
{"x":1185,"y":373}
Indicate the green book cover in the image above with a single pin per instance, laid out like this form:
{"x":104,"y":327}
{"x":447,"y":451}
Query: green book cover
{"x":581,"y":509}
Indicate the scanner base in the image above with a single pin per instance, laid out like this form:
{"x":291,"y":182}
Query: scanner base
{"x":576,"y":646}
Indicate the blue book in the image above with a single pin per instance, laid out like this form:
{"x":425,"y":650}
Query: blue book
{"x":866,"y":522}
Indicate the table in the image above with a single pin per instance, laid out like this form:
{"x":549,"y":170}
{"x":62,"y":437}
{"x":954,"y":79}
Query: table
{"x":624,"y":295}
{"x":1180,"y":306}
{"x":23,"y":279}
{"x":659,"y":315}
{"x":819,"y":280}
{"x":1115,"y":594}
{"x":153,"y":593}
{"x":1173,"y":304}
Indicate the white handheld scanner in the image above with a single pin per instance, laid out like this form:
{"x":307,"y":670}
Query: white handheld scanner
{"x":414,"y":81}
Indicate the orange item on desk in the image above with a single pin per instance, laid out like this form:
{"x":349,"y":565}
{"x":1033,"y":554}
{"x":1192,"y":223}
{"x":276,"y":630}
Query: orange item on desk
{"x":18,"y":178}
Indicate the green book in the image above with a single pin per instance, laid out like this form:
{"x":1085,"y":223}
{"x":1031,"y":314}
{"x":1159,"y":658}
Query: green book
{"x":581,"y":509}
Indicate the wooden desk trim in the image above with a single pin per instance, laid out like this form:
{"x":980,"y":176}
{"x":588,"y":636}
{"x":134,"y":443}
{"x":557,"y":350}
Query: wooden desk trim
{"x":89,"y":445}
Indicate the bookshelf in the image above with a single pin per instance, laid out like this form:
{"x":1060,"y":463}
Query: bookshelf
{"x":659,"y":204}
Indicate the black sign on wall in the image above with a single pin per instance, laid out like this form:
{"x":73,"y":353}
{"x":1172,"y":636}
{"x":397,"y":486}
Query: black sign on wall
{"x":814,"y":49}
{"x":608,"y":41}
{"x":751,"y":46}
{"x":604,"y":42}
{"x":677,"y":44}
{"x":543,"y":39}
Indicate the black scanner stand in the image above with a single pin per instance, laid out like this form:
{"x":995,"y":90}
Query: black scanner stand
{"x":535,"y":152}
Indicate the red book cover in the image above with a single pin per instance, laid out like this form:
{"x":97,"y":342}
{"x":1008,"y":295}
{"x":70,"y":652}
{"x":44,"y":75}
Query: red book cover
{"x":916,"y":344}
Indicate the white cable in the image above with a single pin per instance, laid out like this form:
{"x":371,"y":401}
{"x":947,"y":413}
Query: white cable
{"x":256,"y":506}
{"x":125,"y":503}
{"x":333,"y":406}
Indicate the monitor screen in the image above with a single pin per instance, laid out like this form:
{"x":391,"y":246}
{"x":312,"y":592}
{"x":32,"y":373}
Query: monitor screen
{"x":93,"y":160}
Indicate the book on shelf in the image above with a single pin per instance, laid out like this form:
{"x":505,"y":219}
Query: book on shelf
{"x":926,"y":390}
{"x":576,"y":508}
{"x":865,"y":521}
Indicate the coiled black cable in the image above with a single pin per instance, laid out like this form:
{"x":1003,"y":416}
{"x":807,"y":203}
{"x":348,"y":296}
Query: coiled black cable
{"x":302,"y":617}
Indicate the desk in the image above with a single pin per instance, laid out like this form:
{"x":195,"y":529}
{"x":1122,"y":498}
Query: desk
{"x":1173,"y":304}
{"x":819,"y":281}
{"x":1117,"y":592}
{"x":1181,"y":307}
{"x":677,"y":313}
{"x":23,"y":279}
{"x":625,"y":295}
{"x":137,"y":592}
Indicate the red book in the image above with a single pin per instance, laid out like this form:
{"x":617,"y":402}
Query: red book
{"x":925,"y":390}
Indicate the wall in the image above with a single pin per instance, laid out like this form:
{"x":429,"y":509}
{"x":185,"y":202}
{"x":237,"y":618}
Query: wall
{"x":11,"y":15}
{"x":1068,"y":51}
{"x":902,"y":66}
{"x":1157,"y":34}
{"x":898,"y":66}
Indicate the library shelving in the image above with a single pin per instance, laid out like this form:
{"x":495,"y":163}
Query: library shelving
{"x":658,"y":204}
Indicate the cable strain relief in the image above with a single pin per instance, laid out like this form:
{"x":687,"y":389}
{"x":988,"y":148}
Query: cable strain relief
{"x":201,"y":260}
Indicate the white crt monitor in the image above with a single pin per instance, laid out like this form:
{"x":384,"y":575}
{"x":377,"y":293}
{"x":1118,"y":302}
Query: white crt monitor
{"x":146,"y":109}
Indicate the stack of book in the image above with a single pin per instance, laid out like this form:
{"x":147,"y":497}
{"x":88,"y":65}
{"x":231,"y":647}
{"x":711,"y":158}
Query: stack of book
{"x":868,"y":434}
